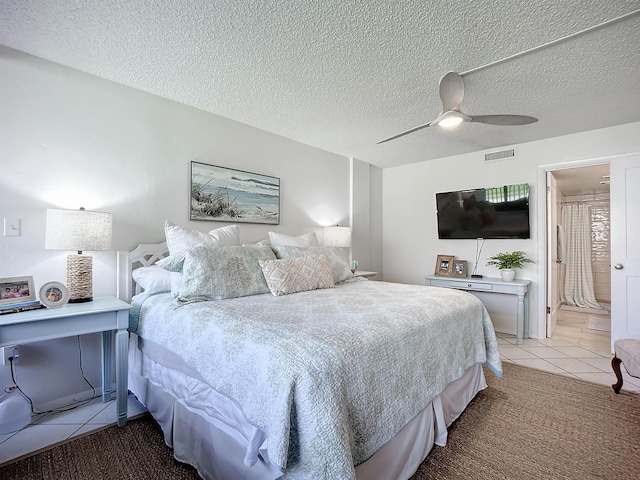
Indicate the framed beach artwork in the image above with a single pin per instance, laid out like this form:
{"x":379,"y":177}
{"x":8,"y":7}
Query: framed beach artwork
{"x":223,"y":194}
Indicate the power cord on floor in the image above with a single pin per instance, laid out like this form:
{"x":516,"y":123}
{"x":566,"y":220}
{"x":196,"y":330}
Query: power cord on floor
{"x":65,"y":408}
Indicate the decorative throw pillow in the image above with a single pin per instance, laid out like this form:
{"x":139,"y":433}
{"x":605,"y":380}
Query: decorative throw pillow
{"x":152,"y":279}
{"x":180,"y":239}
{"x":335,"y":256}
{"x":297,"y":274}
{"x":307,"y":240}
{"x":219,"y":272}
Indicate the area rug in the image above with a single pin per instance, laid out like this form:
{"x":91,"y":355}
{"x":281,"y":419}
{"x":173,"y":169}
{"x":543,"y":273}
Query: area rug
{"x":528,"y":425}
{"x":599,"y":322}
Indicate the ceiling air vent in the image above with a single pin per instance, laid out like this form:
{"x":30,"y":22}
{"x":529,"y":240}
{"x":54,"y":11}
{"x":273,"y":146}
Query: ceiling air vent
{"x":508,"y":154}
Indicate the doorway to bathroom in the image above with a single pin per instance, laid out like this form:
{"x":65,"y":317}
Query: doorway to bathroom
{"x":579,"y":255}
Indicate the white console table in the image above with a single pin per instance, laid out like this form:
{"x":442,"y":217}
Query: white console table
{"x":492,"y":285}
{"x":103,"y":314}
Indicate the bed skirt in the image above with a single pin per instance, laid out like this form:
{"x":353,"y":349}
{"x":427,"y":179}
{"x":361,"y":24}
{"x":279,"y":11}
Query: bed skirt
{"x":208,"y":431}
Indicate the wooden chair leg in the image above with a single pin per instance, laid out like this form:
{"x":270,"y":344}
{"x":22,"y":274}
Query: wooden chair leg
{"x":615,"y":364}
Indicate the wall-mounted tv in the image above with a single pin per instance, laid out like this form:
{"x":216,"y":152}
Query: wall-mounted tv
{"x":497,"y":212}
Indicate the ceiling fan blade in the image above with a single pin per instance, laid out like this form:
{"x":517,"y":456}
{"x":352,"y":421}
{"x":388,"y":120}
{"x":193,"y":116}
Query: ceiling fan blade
{"x":414,"y":129}
{"x":504,"y":120}
{"x":451,"y":91}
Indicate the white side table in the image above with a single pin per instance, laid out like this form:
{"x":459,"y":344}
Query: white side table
{"x":365,"y":274}
{"x":103,"y":314}
{"x":520,"y":288}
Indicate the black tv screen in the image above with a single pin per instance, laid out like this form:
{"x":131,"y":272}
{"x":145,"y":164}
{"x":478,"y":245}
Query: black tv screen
{"x":497,"y":212}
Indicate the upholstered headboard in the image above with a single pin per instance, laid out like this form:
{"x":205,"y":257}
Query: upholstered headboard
{"x":143,"y":255}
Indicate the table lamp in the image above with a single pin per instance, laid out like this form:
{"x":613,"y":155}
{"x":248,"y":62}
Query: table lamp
{"x":78,"y":230}
{"x":337,"y":236}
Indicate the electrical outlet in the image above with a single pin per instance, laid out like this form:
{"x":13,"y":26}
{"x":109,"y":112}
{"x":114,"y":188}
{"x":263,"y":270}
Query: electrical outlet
{"x":10,"y":351}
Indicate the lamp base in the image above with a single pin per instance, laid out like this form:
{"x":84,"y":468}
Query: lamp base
{"x":81,"y":300}
{"x":80,"y":278}
{"x":476,"y":276}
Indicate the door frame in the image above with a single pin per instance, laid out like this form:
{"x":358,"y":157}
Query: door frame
{"x":543,"y":229}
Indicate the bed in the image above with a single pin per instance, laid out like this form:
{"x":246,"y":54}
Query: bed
{"x":358,"y":380}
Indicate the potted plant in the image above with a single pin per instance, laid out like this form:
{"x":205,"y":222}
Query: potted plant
{"x":507,"y":261}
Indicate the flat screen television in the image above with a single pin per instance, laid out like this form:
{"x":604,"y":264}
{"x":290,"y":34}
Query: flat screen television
{"x":497,"y":212}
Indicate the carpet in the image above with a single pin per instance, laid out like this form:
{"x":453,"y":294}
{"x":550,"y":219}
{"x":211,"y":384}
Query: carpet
{"x":599,"y":322}
{"x":529,"y":425}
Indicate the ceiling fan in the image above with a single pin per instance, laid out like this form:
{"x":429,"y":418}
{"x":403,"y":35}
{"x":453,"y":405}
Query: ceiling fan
{"x":451,"y":94}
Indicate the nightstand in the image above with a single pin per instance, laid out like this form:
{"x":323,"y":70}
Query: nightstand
{"x":103,"y":314}
{"x":365,"y":274}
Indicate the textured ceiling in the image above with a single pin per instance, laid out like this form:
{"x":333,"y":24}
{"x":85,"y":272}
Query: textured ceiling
{"x":342,"y":75}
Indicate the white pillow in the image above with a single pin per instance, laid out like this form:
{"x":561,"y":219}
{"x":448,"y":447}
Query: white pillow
{"x":180,"y":239}
{"x":264,"y":241}
{"x":307,"y":240}
{"x":297,"y":274}
{"x":152,"y":279}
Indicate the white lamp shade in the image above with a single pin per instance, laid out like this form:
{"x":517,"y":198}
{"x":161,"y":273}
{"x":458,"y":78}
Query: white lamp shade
{"x":337,"y":236}
{"x":78,"y":230}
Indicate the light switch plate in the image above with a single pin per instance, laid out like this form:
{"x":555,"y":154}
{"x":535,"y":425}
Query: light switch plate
{"x":11,"y":227}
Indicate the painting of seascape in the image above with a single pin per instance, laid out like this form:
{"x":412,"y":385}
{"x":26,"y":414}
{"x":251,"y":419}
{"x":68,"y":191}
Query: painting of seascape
{"x":227,"y":195}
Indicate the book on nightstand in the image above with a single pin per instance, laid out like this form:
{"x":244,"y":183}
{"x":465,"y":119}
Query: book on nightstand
{"x":20,"y":307}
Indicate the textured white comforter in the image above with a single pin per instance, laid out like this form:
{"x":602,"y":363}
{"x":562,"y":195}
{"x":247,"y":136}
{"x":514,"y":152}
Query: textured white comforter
{"x":330,"y":375}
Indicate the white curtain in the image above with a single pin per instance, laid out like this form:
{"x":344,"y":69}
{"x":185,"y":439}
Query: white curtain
{"x":578,"y":276}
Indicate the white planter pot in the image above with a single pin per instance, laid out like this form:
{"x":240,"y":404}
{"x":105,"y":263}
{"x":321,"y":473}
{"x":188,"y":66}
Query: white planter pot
{"x":508,"y":274}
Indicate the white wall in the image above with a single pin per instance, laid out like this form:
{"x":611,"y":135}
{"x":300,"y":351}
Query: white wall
{"x":365,"y":211}
{"x":68,"y":139}
{"x":410,"y":241}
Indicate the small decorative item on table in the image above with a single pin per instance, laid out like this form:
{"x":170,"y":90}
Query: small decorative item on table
{"x":459,"y":268}
{"x":507,"y":262}
{"x":444,"y":265}
{"x":355,"y":265}
{"x":54,"y":295}
{"x":17,"y":294}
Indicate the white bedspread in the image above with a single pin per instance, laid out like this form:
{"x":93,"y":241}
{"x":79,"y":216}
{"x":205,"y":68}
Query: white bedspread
{"x":330,"y":375}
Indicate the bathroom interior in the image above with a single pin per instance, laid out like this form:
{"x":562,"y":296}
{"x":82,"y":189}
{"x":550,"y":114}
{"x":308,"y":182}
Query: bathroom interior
{"x":583,"y":280}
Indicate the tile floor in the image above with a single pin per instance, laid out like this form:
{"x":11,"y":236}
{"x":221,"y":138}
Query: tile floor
{"x":53,"y":428}
{"x":573,"y":351}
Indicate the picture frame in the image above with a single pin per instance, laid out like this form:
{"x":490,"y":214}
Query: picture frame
{"x":16,"y":290}
{"x":459,"y":268}
{"x":222,"y":194}
{"x":54,"y":295}
{"x":444,"y":265}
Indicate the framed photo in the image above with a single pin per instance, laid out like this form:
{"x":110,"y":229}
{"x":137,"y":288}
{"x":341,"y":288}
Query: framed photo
{"x":15,"y":290}
{"x":54,"y":295}
{"x":444,"y":265}
{"x":223,"y":194}
{"x":459,"y":268}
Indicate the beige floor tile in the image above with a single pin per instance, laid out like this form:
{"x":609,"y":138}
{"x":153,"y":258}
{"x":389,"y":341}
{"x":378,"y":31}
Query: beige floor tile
{"x":601,"y":363}
{"x":601,"y":378}
{"x":34,"y":438}
{"x":577,"y":352}
{"x":515,"y":353}
{"x":545,"y":352}
{"x":539,"y":364}
{"x":574,"y":365}
{"x":558,"y":341}
{"x":628,"y":379}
